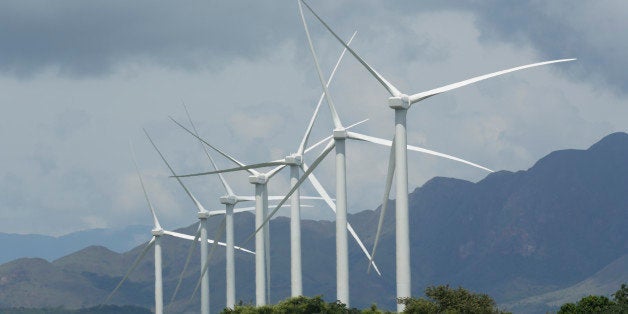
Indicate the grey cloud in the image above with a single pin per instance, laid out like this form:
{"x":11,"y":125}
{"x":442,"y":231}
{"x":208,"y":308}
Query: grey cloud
{"x":594,"y":32}
{"x":85,"y":38}
{"x":79,"y":38}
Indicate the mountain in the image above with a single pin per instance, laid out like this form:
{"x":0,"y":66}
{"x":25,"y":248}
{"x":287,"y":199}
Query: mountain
{"x":513,"y":235}
{"x":604,"y":281}
{"x":122,"y":239}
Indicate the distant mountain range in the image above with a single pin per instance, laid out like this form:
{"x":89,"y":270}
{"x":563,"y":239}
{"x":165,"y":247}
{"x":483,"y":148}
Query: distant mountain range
{"x":531,"y":239}
{"x":122,"y":239}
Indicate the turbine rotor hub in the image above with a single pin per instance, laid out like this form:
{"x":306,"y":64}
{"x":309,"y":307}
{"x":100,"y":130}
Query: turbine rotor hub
{"x":340,"y":134}
{"x":294,"y":160}
{"x":157,"y":232}
{"x":228,"y":200}
{"x":258,"y":179}
{"x":399,"y":102}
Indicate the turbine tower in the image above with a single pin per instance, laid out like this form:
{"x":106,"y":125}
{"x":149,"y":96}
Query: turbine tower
{"x":157,"y":232}
{"x":294,"y":161}
{"x":203,"y":214}
{"x":339,"y":135}
{"x":262,"y":240}
{"x":401,"y":102}
{"x":282,"y":163}
{"x":230,"y":199}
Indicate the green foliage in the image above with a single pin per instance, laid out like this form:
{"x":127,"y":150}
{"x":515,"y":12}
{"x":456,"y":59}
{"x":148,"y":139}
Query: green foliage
{"x":443,"y":299}
{"x":302,"y":305}
{"x":594,"y":304}
{"x":621,"y":296}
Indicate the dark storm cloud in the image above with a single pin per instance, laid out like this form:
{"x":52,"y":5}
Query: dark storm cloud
{"x":592,"y":31}
{"x":84,"y":38}
{"x":88,"y":38}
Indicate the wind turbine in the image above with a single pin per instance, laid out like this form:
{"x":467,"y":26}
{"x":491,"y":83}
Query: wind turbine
{"x":339,"y":135}
{"x":262,"y":240}
{"x":401,"y":102}
{"x":203,"y":214}
{"x":155,"y":241}
{"x":293,"y":161}
{"x":230,"y":199}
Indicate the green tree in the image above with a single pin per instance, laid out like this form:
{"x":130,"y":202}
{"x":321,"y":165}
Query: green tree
{"x":296,"y":305}
{"x":443,"y":299}
{"x":593,"y":304}
{"x":621,"y":295}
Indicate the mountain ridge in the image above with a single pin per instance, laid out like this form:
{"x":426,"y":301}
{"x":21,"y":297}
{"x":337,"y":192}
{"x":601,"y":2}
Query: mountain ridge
{"x":513,"y":235}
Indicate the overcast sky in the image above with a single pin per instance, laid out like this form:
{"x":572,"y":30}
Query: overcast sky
{"x":78,"y":79}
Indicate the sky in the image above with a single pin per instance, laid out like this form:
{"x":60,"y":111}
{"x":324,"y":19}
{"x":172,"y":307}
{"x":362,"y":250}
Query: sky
{"x":79,"y":80}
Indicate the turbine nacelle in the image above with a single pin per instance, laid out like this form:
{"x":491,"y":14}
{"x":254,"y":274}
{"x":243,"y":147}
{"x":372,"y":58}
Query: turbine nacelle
{"x":340,"y":134}
{"x":203,"y":215}
{"x":261,"y":178}
{"x":294,"y":160}
{"x":157,"y":232}
{"x":399,"y":102}
{"x":229,"y":200}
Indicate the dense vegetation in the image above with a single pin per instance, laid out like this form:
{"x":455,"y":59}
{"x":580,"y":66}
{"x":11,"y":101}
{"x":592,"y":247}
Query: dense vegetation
{"x":593,"y":304}
{"x":440,"y":299}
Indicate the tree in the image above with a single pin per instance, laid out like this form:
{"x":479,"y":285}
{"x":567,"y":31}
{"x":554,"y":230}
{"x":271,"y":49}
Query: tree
{"x":296,"y":305}
{"x":443,"y":299}
{"x":593,"y":304}
{"x":621,"y":296}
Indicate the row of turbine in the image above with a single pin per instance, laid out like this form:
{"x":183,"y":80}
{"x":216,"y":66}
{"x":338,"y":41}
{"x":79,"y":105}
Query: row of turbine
{"x":398,"y":101}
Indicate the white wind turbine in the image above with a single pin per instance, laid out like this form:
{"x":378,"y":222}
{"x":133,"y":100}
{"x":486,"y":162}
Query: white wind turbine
{"x":339,"y":136}
{"x":401,"y":102}
{"x":155,"y":241}
{"x":262,"y":240}
{"x":294,"y":161}
{"x":230,"y":199}
{"x":203,"y":215}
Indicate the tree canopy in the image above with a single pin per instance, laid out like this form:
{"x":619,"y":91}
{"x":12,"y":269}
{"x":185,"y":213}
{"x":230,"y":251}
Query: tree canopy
{"x":594,"y":304}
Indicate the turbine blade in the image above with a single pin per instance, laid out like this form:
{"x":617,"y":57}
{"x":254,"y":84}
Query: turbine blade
{"x":389,"y":178}
{"x":247,"y":167}
{"x":274,"y":171}
{"x":325,"y":140}
{"x":210,"y":241}
{"x":133,"y":266}
{"x":253,"y":172}
{"x":246,"y":198}
{"x":187,"y":261}
{"x":316,"y":162}
{"x":329,"y":137}
{"x":274,"y":198}
{"x":196,"y":202}
{"x":244,"y":209}
{"x":150,"y":206}
{"x":320,"y":100}
{"x":321,"y":191}
{"x":420,"y":96}
{"x":389,"y":87}
{"x":380,"y":141}
{"x":235,"y":210}
{"x":211,"y":160}
{"x":357,"y":123}
{"x":330,"y":103}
